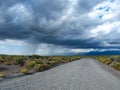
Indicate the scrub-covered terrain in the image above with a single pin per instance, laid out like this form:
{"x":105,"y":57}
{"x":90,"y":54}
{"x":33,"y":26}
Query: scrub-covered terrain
{"x":17,"y":65}
{"x":13,"y":65}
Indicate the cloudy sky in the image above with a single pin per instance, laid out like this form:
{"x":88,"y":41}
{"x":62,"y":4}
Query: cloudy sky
{"x":59,"y":27}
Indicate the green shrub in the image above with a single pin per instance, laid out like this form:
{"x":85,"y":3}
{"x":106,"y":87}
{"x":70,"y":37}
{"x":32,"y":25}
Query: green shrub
{"x":41,"y":67}
{"x":116,"y":65}
{"x":35,"y":56}
{"x":37,"y":67}
{"x":104,"y":60}
{"x":2,"y":74}
{"x":8,"y":63}
{"x":30,"y":64}
{"x":107,"y":61}
{"x":18,"y":61}
{"x":25,"y":71}
{"x":52,"y":63}
{"x":1,"y":60}
{"x":39,"y":61}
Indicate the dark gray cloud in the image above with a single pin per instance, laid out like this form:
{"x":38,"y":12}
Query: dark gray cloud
{"x":68,"y":23}
{"x":84,"y":6}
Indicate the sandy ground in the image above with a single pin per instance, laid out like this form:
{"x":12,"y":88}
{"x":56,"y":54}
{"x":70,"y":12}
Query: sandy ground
{"x":10,"y":69}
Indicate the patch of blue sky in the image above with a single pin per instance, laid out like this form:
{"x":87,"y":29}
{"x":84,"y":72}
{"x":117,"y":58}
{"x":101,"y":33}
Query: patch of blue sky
{"x":112,"y":0}
{"x":12,"y":48}
{"x":107,"y":9}
{"x":100,"y":16}
{"x":100,"y":8}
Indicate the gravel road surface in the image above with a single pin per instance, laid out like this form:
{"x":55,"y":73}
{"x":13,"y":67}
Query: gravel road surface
{"x":84,"y":74}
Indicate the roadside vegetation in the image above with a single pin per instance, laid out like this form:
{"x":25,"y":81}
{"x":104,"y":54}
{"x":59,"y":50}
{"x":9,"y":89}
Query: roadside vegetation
{"x":113,"y":61}
{"x":13,"y":64}
{"x":2,"y":74}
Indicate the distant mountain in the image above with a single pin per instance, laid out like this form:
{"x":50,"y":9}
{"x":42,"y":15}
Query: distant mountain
{"x":104,"y":53}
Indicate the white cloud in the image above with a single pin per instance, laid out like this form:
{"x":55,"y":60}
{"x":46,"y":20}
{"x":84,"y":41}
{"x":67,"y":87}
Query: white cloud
{"x":12,"y":42}
{"x":105,"y":29}
{"x":49,"y":49}
{"x":20,"y":13}
{"x":107,"y":11}
{"x":82,"y":50}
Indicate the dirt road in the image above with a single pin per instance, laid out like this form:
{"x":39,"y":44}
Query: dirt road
{"x":84,"y":74}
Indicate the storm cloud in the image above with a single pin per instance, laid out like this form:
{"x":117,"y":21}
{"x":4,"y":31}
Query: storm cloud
{"x":62,"y":24}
